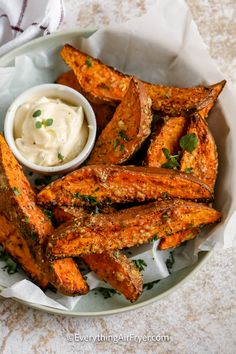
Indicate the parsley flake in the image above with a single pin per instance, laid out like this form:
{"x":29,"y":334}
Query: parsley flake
{"x":140,"y":264}
{"x":37,"y":113}
{"x":89,"y":62}
{"x":60,"y":156}
{"x":189,"y":142}
{"x":16,"y":191}
{"x":87,"y":198}
{"x":123,"y":135}
{"x":188,"y":170}
{"x":172,"y":159}
{"x":38,"y":125}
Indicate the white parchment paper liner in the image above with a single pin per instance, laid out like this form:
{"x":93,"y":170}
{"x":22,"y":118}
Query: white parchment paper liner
{"x":163,"y":46}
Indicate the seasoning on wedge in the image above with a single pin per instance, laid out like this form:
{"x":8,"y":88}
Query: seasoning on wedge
{"x":177,"y":239}
{"x":15,"y":245}
{"x":129,"y":227}
{"x":127,"y":130}
{"x":109,"y":184}
{"x":18,"y":205}
{"x":202,"y":161}
{"x":113,"y":267}
{"x":103,"y":84}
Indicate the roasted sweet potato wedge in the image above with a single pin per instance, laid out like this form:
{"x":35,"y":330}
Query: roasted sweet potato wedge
{"x":18,"y":204}
{"x":103,"y":112}
{"x":127,"y":228}
{"x":127,"y":130}
{"x":104,"y":84}
{"x":177,"y":239}
{"x":18,"y":200}
{"x":166,"y":137}
{"x":117,"y":270}
{"x":16,"y":246}
{"x":67,"y":278}
{"x":112,"y":267}
{"x":202,"y":162}
{"x":109,"y":184}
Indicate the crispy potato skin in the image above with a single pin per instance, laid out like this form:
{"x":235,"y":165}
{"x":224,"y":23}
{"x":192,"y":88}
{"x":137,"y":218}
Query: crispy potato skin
{"x":116,"y":269}
{"x":177,"y":239}
{"x":166,"y":137}
{"x":66,"y":277}
{"x":18,"y":204}
{"x":129,"y":227}
{"x":104,"y":84}
{"x":127,"y":130}
{"x":16,"y":246}
{"x":119,"y":184}
{"x":103,"y":112}
{"x":112,"y":267}
{"x":18,"y":200}
{"x":204,"y":159}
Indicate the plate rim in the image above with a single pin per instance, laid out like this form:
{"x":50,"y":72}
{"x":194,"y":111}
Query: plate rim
{"x":206,"y":254}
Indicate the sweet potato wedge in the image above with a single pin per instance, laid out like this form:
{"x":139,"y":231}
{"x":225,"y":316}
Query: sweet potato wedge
{"x":67,"y":278}
{"x":177,"y":239}
{"x":166,"y":137}
{"x":109,"y":184}
{"x":104,"y":84}
{"x":127,"y":130}
{"x":112,"y":267}
{"x":202,"y":162}
{"x":117,"y":270}
{"x":16,"y":246}
{"x":127,"y":228}
{"x":18,"y":204}
{"x":18,"y":200}
{"x":103,"y":112}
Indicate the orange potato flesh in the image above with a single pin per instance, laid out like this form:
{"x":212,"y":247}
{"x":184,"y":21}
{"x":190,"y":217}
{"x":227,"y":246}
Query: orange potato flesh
{"x":103,"y":84}
{"x":14,"y":243}
{"x":18,"y":204}
{"x":167,"y":137}
{"x":128,"y":227}
{"x":127,"y":130}
{"x":175,"y":240}
{"x":203,"y":160}
{"x":112,"y":267}
{"x":119,"y":184}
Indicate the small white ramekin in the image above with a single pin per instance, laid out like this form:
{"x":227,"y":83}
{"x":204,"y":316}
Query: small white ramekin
{"x":52,"y":91}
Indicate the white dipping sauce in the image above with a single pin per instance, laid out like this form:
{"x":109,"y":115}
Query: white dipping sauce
{"x":50,"y":132}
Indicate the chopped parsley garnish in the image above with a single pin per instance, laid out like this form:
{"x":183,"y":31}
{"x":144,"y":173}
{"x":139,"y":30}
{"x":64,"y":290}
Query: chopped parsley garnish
{"x":37,"y":113}
{"x":86,"y":198}
{"x":172,"y":159}
{"x":188,"y":170}
{"x":116,"y":143}
{"x":122,"y":147}
{"x":11,"y":266}
{"x":106,"y":292}
{"x":150,"y":285}
{"x":38,"y":125}
{"x":60,"y":156}
{"x":16,"y":191}
{"x":116,"y":254}
{"x":140,"y":264}
{"x":154,"y":238}
{"x":123,"y":135}
{"x":46,"y":123}
{"x":189,"y":142}
{"x":88,"y":62}
{"x":170,"y":262}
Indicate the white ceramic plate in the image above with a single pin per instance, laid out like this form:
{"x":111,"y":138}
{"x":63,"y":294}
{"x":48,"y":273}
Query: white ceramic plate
{"x":93,"y":304}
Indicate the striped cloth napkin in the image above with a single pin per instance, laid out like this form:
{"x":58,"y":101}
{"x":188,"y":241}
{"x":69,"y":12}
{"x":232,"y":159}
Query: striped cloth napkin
{"x":23,"y":20}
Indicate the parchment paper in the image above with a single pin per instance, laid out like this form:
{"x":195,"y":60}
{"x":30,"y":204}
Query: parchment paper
{"x":163,"y":46}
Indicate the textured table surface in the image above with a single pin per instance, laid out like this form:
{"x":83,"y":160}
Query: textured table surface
{"x":200,"y":317}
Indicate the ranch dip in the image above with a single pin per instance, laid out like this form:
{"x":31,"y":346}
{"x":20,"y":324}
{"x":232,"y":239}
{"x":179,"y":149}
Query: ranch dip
{"x":50,"y":132}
